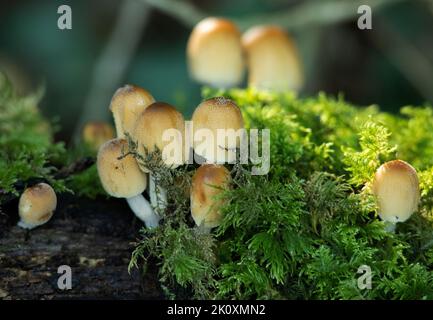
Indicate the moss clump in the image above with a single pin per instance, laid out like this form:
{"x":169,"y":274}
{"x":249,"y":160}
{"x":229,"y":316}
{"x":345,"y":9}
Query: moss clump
{"x":28,"y":153}
{"x":302,"y":231}
{"x":27,"y":150}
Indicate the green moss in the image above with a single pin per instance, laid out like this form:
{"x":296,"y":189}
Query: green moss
{"x":27,"y":150}
{"x":86,"y":183}
{"x":302,"y":231}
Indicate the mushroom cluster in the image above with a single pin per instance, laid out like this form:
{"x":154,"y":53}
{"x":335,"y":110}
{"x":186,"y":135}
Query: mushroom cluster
{"x":159,"y":128}
{"x":218,"y":55}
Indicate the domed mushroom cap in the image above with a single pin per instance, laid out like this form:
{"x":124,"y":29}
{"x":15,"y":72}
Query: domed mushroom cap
{"x":215,"y":54}
{"x":36,"y":205}
{"x":208,"y":183}
{"x":272,"y":59}
{"x":157,"y":123}
{"x":121,"y":178}
{"x":96,"y":133}
{"x":396,"y":188}
{"x":126,"y":105}
{"x":217,"y":114}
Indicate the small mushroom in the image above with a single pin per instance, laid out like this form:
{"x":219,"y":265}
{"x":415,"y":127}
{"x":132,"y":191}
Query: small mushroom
{"x":396,"y":188}
{"x":126,"y":105}
{"x":96,"y":133}
{"x":36,"y":206}
{"x":272,"y":59}
{"x":215,"y":54}
{"x":122,"y":178}
{"x":208,"y":182}
{"x":222,"y":118}
{"x":157,"y":127}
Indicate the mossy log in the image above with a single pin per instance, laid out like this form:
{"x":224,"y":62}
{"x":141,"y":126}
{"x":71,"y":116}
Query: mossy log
{"x":95,"y":238}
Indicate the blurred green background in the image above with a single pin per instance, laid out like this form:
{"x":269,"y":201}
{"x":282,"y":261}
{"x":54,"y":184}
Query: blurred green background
{"x":143,"y":42}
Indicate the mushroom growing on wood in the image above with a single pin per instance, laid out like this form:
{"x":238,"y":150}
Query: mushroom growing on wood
{"x":126,"y":105}
{"x":215,"y":54}
{"x":36,"y":206}
{"x":96,"y":133}
{"x":272,"y":59}
{"x":396,"y":188}
{"x":160,"y":127}
{"x":223,"y":120}
{"x":208,"y":182}
{"x":122,"y":178}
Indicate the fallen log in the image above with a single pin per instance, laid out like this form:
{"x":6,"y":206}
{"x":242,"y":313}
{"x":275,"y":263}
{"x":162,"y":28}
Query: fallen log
{"x":95,"y":238}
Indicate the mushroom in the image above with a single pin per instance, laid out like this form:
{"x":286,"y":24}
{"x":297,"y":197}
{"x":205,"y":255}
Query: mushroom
{"x":217,"y":121}
{"x":96,"y":133}
{"x":154,"y":127}
{"x":36,"y":206}
{"x":396,"y":188}
{"x":208,"y":182}
{"x":272,"y":59}
{"x":126,"y":105}
{"x":215,"y":54}
{"x":122,"y":178}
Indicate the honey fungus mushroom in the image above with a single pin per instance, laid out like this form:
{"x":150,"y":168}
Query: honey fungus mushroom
{"x":208,"y":182}
{"x":272,"y":59}
{"x":36,"y":206}
{"x":126,"y":105}
{"x":216,"y":125}
{"x":160,"y":127}
{"x":215,"y":54}
{"x":396,"y":188}
{"x":121,"y":178}
{"x":95,"y":133}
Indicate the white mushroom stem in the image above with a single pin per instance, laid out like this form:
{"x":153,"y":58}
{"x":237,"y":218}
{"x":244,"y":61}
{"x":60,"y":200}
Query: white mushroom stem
{"x":143,"y":210}
{"x":27,"y":226}
{"x":157,"y":194}
{"x":202,"y":229}
{"x":390,"y":226}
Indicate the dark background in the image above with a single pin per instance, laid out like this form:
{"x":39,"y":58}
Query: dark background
{"x":390,"y":65}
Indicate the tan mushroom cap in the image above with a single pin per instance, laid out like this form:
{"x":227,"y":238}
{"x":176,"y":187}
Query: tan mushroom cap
{"x":208,"y":182}
{"x":218,"y":114}
{"x":96,"y":133}
{"x":396,"y":188}
{"x":126,"y":105}
{"x":149,"y":130}
{"x":215,"y":53}
{"x":37,"y":204}
{"x":120,"y":178}
{"x":272,"y":58}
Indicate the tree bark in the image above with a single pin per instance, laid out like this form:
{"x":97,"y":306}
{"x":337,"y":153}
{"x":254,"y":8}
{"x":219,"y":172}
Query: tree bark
{"x":95,"y":238}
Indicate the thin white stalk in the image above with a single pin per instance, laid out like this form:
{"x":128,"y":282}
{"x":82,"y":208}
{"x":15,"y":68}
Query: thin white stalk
{"x":390,"y":226}
{"x":30,"y":226}
{"x":26,"y":225}
{"x":152,"y":191}
{"x":157,"y":194}
{"x":143,"y":210}
{"x":202,"y":229}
